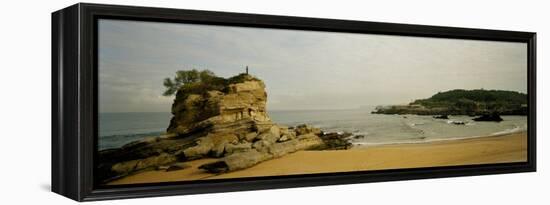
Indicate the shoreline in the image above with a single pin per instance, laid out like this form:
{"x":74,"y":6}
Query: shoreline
{"x":437,"y":140}
{"x":509,"y":147}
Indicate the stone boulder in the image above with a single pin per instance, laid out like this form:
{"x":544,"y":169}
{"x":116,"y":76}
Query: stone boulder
{"x":210,"y":145}
{"x":127,"y":167}
{"x":445,"y":117}
{"x":489,"y":117}
{"x":242,"y":160}
{"x":304,"y":129}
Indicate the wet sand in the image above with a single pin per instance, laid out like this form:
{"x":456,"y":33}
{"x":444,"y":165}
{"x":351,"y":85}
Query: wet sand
{"x":484,"y":150}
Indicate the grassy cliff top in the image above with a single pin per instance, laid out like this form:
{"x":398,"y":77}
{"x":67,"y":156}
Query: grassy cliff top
{"x":212,"y":83}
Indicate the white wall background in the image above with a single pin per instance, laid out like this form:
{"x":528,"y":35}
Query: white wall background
{"x":25,"y":103}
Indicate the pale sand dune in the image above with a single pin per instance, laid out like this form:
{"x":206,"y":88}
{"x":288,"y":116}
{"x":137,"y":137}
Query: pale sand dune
{"x":496,"y":149}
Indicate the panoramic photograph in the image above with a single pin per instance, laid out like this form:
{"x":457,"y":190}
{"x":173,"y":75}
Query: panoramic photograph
{"x":187,"y":102}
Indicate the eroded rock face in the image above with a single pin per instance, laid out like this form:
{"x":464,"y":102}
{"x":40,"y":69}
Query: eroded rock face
{"x":244,"y":101}
{"x":232,"y":125}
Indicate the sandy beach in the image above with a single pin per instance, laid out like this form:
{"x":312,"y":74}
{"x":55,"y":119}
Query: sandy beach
{"x":483,"y":150}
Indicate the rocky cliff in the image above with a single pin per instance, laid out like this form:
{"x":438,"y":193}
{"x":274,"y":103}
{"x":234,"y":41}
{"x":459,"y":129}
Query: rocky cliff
{"x":230,"y":123}
{"x":238,"y":109}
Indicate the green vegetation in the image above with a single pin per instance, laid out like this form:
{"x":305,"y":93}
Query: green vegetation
{"x":189,"y":79}
{"x":199,"y":82}
{"x":473,"y":100}
{"x":464,"y":102}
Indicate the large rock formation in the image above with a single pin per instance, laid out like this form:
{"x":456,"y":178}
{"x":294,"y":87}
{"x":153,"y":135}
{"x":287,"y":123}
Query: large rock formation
{"x":230,"y":123}
{"x":241,"y":103}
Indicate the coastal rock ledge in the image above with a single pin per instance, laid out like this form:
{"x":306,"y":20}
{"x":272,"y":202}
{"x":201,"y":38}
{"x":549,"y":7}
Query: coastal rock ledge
{"x":229,"y":123}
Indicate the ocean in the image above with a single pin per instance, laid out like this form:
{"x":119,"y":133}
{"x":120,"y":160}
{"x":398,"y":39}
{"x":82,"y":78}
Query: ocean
{"x":117,"y":129}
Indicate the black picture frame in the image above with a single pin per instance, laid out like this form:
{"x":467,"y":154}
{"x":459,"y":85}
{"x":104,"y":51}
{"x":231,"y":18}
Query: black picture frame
{"x":75,"y":106}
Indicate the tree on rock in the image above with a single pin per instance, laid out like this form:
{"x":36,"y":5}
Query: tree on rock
{"x":187,"y":78}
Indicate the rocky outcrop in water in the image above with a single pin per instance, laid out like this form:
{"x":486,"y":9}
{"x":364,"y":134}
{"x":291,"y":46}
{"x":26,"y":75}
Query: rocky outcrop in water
{"x":230,"y":123}
{"x":489,"y":117}
{"x":444,"y":117}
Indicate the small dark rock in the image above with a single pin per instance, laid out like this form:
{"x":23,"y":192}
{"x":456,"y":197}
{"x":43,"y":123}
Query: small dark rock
{"x":489,"y":117}
{"x":215,"y":167}
{"x":459,"y":122}
{"x":177,"y":166}
{"x":446,"y":117}
{"x":336,"y":141}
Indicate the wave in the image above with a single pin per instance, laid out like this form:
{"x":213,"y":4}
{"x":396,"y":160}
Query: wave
{"x":422,"y":140}
{"x":510,"y":131}
{"x":363,"y":133}
{"x":416,"y":124}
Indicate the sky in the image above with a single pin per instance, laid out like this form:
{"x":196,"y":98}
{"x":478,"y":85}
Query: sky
{"x":301,"y":69}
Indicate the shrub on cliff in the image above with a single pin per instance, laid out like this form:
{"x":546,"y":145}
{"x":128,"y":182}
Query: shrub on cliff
{"x":193,"y":81}
{"x":199,"y":82}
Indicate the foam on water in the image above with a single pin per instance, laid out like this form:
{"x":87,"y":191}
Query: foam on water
{"x":510,"y":131}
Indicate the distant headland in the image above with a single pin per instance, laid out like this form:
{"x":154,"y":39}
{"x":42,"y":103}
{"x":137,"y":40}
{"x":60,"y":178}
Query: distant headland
{"x":464,"y":102}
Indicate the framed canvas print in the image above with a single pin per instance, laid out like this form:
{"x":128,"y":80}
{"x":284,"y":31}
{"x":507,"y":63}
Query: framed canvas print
{"x":155,"y":101}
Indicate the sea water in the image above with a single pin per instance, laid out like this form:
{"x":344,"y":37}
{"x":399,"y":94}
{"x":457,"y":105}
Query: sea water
{"x":117,"y":129}
{"x":375,"y":129}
